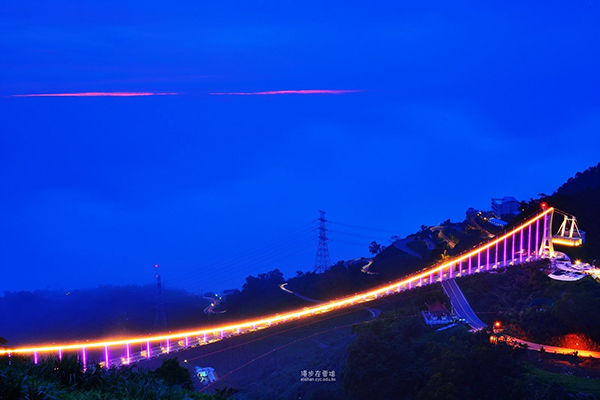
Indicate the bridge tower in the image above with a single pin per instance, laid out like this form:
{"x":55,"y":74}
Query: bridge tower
{"x":322,"y":261}
{"x":547,"y":248}
{"x":160,"y":321}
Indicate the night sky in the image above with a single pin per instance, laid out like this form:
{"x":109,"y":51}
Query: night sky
{"x":427,"y":109}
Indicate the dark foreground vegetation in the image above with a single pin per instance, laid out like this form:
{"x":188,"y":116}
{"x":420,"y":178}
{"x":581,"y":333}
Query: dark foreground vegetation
{"x":404,"y":359}
{"x":65,"y":379}
{"x":537,"y":308}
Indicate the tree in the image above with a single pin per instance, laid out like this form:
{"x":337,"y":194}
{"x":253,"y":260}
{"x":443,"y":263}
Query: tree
{"x":225,"y":393}
{"x":375,"y":248}
{"x":174,"y":374}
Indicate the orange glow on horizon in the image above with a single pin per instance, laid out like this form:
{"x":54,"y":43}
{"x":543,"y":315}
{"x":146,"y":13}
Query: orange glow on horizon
{"x":94,"y":94}
{"x":268,"y":320}
{"x":274,"y":92}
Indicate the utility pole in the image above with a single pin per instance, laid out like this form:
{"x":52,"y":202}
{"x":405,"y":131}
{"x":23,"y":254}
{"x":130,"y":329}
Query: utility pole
{"x":160,"y":321}
{"x":322,"y":261}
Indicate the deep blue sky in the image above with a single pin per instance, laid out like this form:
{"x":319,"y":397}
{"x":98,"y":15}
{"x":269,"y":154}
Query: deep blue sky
{"x":460,"y":102}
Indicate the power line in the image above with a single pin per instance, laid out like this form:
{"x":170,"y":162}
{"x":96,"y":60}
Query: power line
{"x":357,"y":235}
{"x":236,"y":265}
{"x":364,"y":227}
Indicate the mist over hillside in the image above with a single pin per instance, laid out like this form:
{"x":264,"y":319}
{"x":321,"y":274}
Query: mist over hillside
{"x":113,"y":311}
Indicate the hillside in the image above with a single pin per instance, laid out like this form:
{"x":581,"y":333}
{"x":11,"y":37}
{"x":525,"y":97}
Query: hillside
{"x":395,"y":353}
{"x":580,"y":196}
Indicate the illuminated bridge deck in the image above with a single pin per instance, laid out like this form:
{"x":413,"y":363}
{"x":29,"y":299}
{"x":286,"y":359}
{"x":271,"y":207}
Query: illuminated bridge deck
{"x":516,"y":246}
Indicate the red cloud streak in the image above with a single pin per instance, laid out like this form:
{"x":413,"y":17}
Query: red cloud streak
{"x":273,"y":92}
{"x":95,"y":94}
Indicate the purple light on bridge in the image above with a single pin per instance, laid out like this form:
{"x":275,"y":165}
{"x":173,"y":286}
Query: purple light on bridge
{"x":537,"y":237}
{"x":512,"y":254}
{"x":187,"y":341}
{"x":106,"y":360}
{"x":529,"y":242}
{"x":504,"y":252}
{"x":460,"y":267}
{"x":60,"y":354}
{"x":83,"y":358}
{"x":204,"y":336}
{"x":521,"y":246}
{"x":148,"y":349}
{"x":487,"y":258}
{"x":128,"y":353}
{"x":35,"y":357}
{"x":168,"y":346}
{"x":430,"y":278}
{"x":496,"y":259}
{"x":478,"y":261}
{"x":469,"y":268}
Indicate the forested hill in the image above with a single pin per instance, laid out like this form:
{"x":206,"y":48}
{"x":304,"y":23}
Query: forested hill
{"x":581,"y":182}
{"x":580,"y":196}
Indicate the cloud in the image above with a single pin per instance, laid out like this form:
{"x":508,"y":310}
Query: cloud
{"x":95,"y":94}
{"x":274,"y":92}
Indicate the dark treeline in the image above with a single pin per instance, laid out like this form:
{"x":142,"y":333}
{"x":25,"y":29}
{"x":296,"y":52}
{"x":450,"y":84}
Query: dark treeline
{"x":404,"y":359}
{"x":67,"y":380}
{"x":539,"y":309}
{"x":399,"y":357}
{"x":580,"y":196}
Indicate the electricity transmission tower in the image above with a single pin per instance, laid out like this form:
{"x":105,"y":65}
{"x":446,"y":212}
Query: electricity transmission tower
{"x":322,"y":262}
{"x":160,"y":321}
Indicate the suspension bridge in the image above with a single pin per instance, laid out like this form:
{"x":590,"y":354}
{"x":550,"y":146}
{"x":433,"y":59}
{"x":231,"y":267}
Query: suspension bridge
{"x":531,"y":240}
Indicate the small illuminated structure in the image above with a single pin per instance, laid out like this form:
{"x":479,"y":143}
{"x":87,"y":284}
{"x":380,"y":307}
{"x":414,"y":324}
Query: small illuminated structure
{"x":566,"y":276}
{"x":206,"y":375}
{"x":569,"y":233}
{"x":437,"y":314}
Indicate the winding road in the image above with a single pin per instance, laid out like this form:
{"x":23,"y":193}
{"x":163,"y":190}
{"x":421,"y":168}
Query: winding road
{"x":374,"y":312}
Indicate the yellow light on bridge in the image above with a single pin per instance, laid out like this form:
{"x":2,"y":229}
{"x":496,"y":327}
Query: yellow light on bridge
{"x":274,"y":319}
{"x":568,"y":242}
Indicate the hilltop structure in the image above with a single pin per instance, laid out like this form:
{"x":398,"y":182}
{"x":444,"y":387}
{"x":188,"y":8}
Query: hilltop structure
{"x":506,"y":206}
